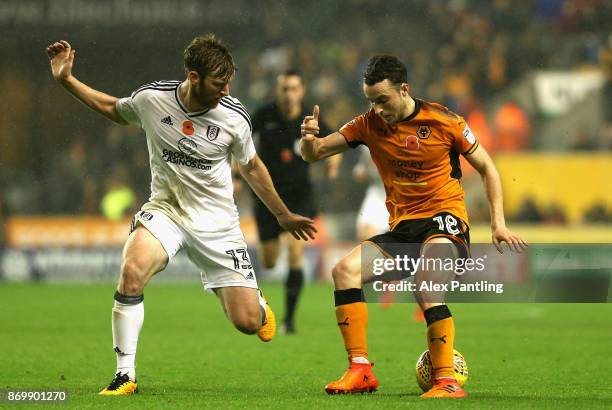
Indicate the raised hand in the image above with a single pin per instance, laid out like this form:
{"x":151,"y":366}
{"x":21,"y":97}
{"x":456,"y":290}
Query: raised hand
{"x":310,"y":125}
{"x":309,"y":130}
{"x":61,"y":58}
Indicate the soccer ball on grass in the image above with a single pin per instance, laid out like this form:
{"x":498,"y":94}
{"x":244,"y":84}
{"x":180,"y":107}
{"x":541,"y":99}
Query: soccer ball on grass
{"x":424,"y":370}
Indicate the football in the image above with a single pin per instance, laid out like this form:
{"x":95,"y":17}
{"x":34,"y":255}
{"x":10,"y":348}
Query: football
{"x":424,"y":370}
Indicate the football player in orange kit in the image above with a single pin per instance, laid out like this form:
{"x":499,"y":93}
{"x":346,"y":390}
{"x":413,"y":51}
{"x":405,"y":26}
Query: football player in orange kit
{"x":415,"y":146}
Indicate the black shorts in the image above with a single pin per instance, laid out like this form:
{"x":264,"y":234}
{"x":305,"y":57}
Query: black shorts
{"x":267,"y":225}
{"x":419,"y":231}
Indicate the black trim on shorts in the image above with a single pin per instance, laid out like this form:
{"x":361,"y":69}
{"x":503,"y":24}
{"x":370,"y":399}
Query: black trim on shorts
{"x":419,"y":231}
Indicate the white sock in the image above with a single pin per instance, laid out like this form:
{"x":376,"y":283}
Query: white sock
{"x":127,"y":322}
{"x":360,"y":359}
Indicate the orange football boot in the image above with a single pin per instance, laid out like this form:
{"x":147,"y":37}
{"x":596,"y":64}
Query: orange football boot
{"x":445,"y":388}
{"x":357,"y":379}
{"x":267,"y":330}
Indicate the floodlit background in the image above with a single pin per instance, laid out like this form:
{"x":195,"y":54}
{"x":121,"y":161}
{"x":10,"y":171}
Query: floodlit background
{"x":532,"y":78}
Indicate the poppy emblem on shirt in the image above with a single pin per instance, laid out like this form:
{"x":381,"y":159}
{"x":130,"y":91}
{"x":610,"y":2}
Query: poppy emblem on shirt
{"x":212,"y":132}
{"x":423,"y":132}
{"x":188,"y":128}
{"x":412,"y":143}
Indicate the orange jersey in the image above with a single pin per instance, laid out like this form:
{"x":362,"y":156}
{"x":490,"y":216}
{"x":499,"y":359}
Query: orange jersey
{"x":417,"y":158}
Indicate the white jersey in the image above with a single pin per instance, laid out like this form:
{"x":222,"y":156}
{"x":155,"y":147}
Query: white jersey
{"x":189,"y":154}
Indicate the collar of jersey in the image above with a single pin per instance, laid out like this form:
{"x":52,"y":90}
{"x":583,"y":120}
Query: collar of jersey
{"x":417,"y":108}
{"x":189,"y":114}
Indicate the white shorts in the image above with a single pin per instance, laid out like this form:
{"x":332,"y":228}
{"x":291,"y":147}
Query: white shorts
{"x":373,"y":211}
{"x":222,"y":257}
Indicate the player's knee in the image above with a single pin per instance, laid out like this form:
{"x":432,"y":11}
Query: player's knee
{"x":269,"y":262}
{"x":439,"y":248}
{"x":133,"y":276}
{"x":247,"y":323}
{"x":269,"y":254}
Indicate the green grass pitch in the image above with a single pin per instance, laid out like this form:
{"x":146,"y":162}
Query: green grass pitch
{"x":56,"y":336}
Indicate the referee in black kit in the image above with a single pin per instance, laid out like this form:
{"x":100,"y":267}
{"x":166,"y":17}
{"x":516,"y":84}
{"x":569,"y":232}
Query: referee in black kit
{"x":276,"y":127}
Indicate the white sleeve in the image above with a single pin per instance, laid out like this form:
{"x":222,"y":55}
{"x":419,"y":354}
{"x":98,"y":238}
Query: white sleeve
{"x":243,"y":148}
{"x":127,"y":109}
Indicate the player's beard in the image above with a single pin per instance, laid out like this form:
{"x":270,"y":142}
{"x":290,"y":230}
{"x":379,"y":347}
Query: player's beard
{"x":207,"y":102}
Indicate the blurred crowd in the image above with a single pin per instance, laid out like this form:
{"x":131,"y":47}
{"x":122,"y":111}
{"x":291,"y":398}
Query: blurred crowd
{"x":463,"y":54}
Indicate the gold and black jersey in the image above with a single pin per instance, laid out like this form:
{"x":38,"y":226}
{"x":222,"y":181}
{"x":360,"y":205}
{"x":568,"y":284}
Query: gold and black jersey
{"x":418,"y":159}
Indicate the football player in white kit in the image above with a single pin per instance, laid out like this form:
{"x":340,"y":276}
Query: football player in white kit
{"x":193,"y":128}
{"x":373,"y":216}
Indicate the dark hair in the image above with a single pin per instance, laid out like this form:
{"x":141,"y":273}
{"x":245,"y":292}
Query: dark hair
{"x":293,"y":72}
{"x":385,"y":67}
{"x":208,"y":56}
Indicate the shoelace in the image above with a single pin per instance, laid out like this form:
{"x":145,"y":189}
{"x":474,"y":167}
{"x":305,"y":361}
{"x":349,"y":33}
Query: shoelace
{"x":118,"y":381}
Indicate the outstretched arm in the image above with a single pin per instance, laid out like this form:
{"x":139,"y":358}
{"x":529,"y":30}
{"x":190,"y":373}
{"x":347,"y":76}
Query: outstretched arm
{"x":258,"y":177}
{"x":61,"y":58}
{"x":313,"y":148}
{"x":483,"y":163}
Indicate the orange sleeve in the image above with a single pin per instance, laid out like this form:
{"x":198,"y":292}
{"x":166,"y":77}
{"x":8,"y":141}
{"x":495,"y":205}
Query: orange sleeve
{"x":463,"y":138}
{"x":354,"y":131}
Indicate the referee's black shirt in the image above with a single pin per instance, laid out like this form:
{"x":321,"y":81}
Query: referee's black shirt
{"x":279,"y":148}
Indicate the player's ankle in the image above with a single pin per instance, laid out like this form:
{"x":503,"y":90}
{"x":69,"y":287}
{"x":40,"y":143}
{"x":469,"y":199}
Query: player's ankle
{"x":130,"y":371}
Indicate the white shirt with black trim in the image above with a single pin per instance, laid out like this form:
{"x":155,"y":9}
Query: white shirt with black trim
{"x":189,"y":154}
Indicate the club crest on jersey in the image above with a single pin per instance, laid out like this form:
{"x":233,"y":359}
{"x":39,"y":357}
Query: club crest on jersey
{"x":412,"y":143}
{"x":212,"y":132}
{"x":187,"y":146}
{"x":423,"y":132}
{"x":145,"y":215}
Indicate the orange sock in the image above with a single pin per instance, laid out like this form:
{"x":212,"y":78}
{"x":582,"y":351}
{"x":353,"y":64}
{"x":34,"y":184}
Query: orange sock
{"x":440,"y":340}
{"x":352,"y":319}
